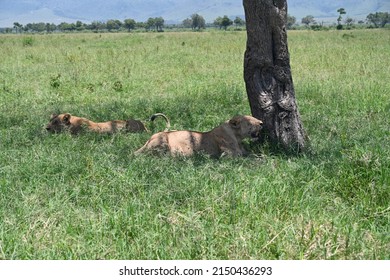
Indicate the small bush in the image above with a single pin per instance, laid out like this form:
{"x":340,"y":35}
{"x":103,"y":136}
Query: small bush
{"x":55,"y":81}
{"x":118,"y":86}
{"x":28,"y":41}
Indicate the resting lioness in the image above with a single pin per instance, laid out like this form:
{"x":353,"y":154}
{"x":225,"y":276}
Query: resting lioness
{"x":75,"y":124}
{"x":225,"y":139}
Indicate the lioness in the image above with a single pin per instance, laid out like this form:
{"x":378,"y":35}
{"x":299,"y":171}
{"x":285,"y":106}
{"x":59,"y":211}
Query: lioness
{"x":225,"y":139}
{"x":75,"y":124}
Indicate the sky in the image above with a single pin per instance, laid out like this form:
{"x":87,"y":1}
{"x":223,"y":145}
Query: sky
{"x":57,"y":11}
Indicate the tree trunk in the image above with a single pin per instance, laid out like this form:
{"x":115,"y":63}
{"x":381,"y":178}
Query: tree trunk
{"x":267,"y":73}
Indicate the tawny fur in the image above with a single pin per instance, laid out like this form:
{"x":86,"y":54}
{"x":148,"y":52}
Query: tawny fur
{"x":225,"y":139}
{"x":74,"y":124}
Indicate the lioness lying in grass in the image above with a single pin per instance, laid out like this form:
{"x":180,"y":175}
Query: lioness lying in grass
{"x":73,"y":124}
{"x":225,"y":139}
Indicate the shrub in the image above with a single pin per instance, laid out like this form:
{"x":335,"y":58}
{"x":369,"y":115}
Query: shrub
{"x":28,"y":41}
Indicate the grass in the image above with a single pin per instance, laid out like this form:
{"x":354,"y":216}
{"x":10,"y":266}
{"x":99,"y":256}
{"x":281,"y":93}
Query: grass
{"x":88,"y":197}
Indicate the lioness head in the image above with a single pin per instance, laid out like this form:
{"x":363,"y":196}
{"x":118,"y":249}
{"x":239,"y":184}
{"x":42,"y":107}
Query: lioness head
{"x":246,"y":126}
{"x":57,"y":123}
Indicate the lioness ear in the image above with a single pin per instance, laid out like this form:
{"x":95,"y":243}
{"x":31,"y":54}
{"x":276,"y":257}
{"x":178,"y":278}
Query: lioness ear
{"x":235,"y":122}
{"x":66,"y":119}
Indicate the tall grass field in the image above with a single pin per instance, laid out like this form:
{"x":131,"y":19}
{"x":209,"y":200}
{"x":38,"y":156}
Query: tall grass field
{"x":89,"y":197}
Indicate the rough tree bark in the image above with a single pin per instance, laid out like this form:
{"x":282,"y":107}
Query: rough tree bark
{"x":267,"y":73}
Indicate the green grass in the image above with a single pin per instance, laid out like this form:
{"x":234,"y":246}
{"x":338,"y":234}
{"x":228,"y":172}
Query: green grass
{"x":88,"y":197}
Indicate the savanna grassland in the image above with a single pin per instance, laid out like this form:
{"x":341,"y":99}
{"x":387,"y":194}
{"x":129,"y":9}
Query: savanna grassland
{"x":89,"y":197}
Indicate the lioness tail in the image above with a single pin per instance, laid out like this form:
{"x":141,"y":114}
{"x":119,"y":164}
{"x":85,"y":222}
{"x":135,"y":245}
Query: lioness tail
{"x":154,"y":116}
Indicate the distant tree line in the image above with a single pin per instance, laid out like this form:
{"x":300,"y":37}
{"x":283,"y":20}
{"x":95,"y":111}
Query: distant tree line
{"x":196,"y":22}
{"x":373,"y":20}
